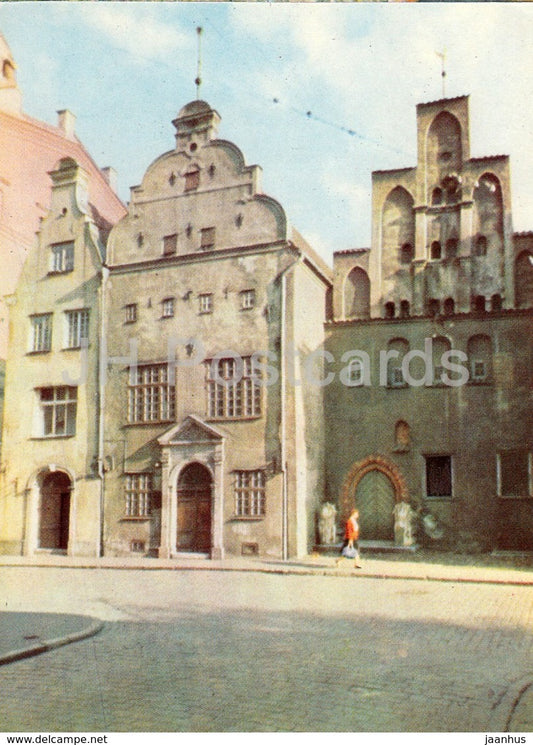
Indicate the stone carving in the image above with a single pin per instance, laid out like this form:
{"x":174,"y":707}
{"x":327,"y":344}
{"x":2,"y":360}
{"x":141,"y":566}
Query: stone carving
{"x":404,"y":524}
{"x":327,"y":524}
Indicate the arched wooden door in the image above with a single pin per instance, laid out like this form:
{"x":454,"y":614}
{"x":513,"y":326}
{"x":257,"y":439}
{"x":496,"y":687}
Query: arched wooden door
{"x":194,"y":509}
{"x":374,"y":498}
{"x":54,"y":515}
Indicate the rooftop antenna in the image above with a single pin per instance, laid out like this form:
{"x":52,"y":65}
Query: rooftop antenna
{"x":442,"y":56}
{"x":198,"y":80}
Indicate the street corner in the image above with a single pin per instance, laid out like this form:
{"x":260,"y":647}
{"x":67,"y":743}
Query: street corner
{"x":25,"y":634}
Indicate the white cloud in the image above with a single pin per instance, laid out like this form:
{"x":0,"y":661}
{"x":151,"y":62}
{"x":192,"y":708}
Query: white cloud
{"x":138,"y":31}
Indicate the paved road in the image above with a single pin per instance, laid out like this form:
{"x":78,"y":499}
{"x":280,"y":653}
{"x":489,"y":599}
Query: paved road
{"x":229,"y":651}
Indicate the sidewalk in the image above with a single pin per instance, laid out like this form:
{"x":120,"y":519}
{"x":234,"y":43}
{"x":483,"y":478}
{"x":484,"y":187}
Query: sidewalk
{"x":382,"y":566}
{"x":27,"y":634}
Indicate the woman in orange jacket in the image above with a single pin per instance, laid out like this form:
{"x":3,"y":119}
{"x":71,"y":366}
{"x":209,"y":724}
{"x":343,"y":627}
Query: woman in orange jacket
{"x":350,"y":547}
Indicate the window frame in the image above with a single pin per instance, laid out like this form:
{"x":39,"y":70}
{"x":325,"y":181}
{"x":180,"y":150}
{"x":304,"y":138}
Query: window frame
{"x":41,"y":328}
{"x":233,"y":401}
{"x":56,"y":405}
{"x":529,"y":474}
{"x":61,"y":257}
{"x":207,"y":238}
{"x":205,"y":303}
{"x":168,"y":307}
{"x":138,"y":488}
{"x":74,"y":332}
{"x":130,"y":313}
{"x":248,"y":299}
{"x":151,"y":394}
{"x":433,"y":457}
{"x":249,"y":494}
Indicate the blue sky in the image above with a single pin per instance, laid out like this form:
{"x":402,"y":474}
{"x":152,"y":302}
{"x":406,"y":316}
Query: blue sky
{"x":125,"y":70}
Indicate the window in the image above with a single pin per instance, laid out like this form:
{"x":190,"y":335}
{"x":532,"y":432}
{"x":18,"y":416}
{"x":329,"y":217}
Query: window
{"x":250,"y":493}
{"x":451,"y":248}
{"x":514,"y":474}
{"x":151,"y":397}
{"x":58,"y":409}
{"x":62,"y":258}
{"x":138,"y":489}
{"x":395,"y":378}
{"x":247,"y":299}
{"x":479,"y":352}
{"x":168,"y":307}
{"x":436,"y":196}
{"x":406,"y":253}
{"x":449,"y":306}
{"x":356,"y":372}
{"x":131,"y":312}
{"x":206,"y":303}
{"x":390,"y":310}
{"x":405,"y":309}
{"x":41,"y":333}
{"x":496,"y":303}
{"x":478,"y":304}
{"x":436,"y":250}
{"x":170,"y":244}
{"x":440,"y":345}
{"x":192,"y":179}
{"x":433,"y":307}
{"x":77,"y":328}
{"x":207,"y":238}
{"x":438,"y":476}
{"x":234,"y":389}
{"x":480,"y":246}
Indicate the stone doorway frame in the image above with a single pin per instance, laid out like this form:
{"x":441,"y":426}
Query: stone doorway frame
{"x":361,"y":468}
{"x":32,"y":508}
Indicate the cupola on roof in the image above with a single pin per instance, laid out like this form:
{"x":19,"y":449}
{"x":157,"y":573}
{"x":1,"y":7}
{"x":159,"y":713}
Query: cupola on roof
{"x":196,"y":120}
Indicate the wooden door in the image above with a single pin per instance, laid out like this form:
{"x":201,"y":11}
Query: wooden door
{"x":194,"y":509}
{"x":374,"y":498}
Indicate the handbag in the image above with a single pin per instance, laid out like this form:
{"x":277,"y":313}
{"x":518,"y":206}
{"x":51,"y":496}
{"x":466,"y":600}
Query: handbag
{"x":349,"y":552}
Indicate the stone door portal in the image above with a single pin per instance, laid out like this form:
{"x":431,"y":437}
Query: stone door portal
{"x":194,"y":509}
{"x":374,"y":498}
{"x":55,"y":511}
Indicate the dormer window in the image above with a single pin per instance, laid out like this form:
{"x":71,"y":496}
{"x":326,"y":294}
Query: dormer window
{"x":192,"y":179}
{"x":62,"y":257}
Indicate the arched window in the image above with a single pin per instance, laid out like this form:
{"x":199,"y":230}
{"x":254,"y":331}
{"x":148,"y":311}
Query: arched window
{"x":436,"y":196}
{"x":523,"y":277}
{"x":398,"y":221}
{"x":402,"y":436}
{"x":451,"y":248}
{"x":440,"y":345}
{"x":433,"y":306}
{"x":357,"y":294}
{"x":390,"y":310}
{"x":449,"y":306}
{"x":395,"y":377}
{"x":479,"y":352}
{"x":406,"y":253}
{"x":480,"y":246}
{"x":405,"y":309}
{"x":444,"y":147}
{"x":478,"y":304}
{"x":436,"y":250}
{"x":496,"y":303}
{"x":488,"y":205}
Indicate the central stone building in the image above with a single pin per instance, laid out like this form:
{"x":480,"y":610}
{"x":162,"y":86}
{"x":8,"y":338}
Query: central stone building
{"x":211,"y":301}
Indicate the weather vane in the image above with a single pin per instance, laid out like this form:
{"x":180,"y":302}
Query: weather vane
{"x":198,"y":81}
{"x":442,"y":56}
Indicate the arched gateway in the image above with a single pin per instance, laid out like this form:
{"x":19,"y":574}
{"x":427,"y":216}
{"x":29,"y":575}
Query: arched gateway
{"x":194,"y":509}
{"x":54,"y":510}
{"x":374,"y":485}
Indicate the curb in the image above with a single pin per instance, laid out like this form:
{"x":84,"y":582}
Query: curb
{"x":47,"y":646}
{"x":502,"y":715}
{"x":301,"y":570}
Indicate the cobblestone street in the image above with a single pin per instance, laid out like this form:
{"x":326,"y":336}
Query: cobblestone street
{"x":231,"y":651}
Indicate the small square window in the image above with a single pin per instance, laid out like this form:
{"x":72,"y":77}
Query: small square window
{"x":168,"y":307}
{"x":170,"y":244}
{"x":131,"y":312}
{"x":247,"y":299}
{"x":62,"y":257}
{"x":192,"y":179}
{"x":207,"y":238}
{"x":206,"y":303}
